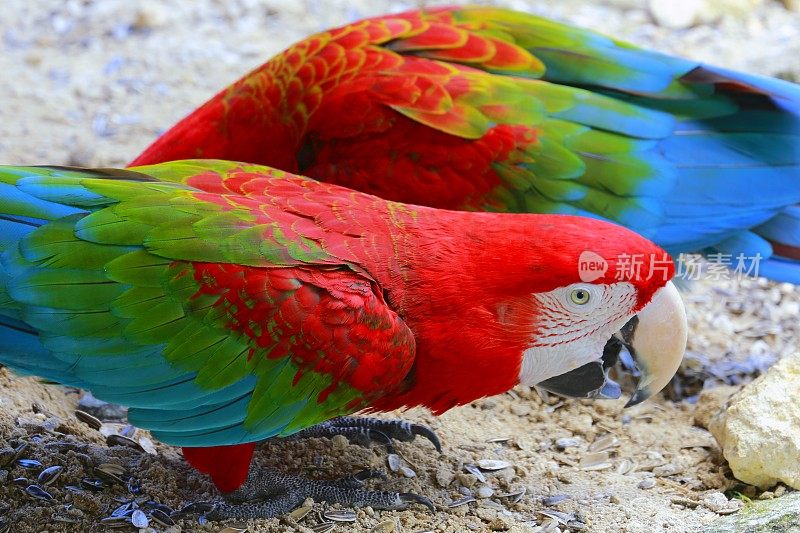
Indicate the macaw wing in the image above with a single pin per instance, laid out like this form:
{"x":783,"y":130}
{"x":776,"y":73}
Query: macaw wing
{"x":509,"y":111}
{"x":193,"y":309}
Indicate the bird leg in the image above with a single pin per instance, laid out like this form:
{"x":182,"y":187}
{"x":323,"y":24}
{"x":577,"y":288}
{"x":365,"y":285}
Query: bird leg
{"x":363,"y":430}
{"x":268,"y":493}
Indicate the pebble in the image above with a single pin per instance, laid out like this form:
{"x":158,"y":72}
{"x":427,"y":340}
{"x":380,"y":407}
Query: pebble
{"x":484,"y":491}
{"x":466,"y":480}
{"x":444,"y":476}
{"x":715,"y":501}
{"x":408,"y":472}
{"x":493,"y":464}
{"x":387,"y":526}
{"x":647,"y":483}
{"x":521,"y":409}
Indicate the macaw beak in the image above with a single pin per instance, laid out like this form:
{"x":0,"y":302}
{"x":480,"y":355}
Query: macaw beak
{"x":655,"y":338}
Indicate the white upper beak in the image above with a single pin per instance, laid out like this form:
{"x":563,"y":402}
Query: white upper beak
{"x":657,"y":341}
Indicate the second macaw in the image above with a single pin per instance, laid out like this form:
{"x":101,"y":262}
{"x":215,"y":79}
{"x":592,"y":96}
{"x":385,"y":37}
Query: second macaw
{"x":228,"y":303}
{"x":488,"y":109}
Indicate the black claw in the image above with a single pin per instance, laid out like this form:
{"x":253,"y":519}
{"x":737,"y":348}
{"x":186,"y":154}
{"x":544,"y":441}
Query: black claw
{"x":410,"y":497}
{"x":425,"y":431}
{"x":194,"y":508}
{"x":382,"y":438}
{"x":371,"y":473}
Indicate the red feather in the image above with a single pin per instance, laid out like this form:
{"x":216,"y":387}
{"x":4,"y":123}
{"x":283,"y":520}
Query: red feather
{"x":227,"y":465}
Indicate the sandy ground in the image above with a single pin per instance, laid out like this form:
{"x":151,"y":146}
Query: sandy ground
{"x":93,"y":82}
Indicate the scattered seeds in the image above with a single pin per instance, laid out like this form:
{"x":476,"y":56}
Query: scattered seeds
{"x":91,"y":421}
{"x":38,"y":492}
{"x":625,"y":466}
{"x":147,"y":445}
{"x":29,"y":463}
{"x":324,"y":527}
{"x":475,"y":471}
{"x":499,"y":440}
{"x":139,"y":519}
{"x":161,"y":517}
{"x":300,"y":513}
{"x":119,"y":440}
{"x":461,"y":501}
{"x":558,"y":516}
{"x":110,"y":473}
{"x":93,"y":484}
{"x":606,"y":442}
{"x":110,"y":428}
{"x":514,"y":496}
{"x":567,"y":442}
{"x":408,"y":472}
{"x":395,"y":462}
{"x":50,"y":474}
{"x":340,"y":515}
{"x":490,"y":465}
{"x":556,"y":499}
{"x":595,"y":461}
{"x":115,"y":521}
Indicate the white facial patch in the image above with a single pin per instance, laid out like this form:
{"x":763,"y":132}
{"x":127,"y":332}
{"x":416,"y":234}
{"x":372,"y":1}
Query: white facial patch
{"x":573,"y":329}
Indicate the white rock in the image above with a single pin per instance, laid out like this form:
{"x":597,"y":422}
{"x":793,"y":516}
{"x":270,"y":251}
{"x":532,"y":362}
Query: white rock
{"x":680,"y":14}
{"x":759,"y":432}
{"x":716,"y":501}
{"x":674,"y":14}
{"x":791,"y":5}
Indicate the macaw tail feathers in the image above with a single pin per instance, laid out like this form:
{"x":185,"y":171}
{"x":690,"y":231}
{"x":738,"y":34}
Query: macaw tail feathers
{"x":227,"y":465}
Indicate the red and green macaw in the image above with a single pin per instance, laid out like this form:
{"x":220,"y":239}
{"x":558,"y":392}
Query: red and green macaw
{"x":227,"y":303}
{"x":479,"y":108}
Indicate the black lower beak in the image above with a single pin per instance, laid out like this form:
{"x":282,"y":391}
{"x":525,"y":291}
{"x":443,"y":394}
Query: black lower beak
{"x":590,"y":380}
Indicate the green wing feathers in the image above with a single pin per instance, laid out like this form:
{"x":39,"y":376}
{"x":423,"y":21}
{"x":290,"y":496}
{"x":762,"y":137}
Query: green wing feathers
{"x":217,"y":316}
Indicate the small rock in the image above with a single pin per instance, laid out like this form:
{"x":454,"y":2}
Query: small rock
{"x":339,"y":443}
{"x":484,"y":491}
{"x":466,"y":480}
{"x":791,"y":5}
{"x":444,"y":476}
{"x":710,"y":402}
{"x":715,"y":501}
{"x":674,"y":14}
{"x":500,"y":523}
{"x":647,"y":483}
{"x":86,"y":502}
{"x":520,"y":409}
{"x":387,"y":526}
{"x":758,"y":430}
{"x":150,"y":15}
{"x":408,"y":472}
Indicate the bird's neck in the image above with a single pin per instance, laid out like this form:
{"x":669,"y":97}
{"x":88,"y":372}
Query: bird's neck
{"x":470,"y":335}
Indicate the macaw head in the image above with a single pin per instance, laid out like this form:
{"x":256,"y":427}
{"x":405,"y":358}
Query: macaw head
{"x":608,"y":288}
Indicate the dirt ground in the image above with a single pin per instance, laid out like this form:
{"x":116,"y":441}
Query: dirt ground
{"x":91,"y":82}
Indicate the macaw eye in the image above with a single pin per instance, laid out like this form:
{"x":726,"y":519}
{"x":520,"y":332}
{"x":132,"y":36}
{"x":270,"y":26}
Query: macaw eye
{"x":579,"y":296}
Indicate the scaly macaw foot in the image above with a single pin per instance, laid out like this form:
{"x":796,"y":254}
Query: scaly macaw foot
{"x":363,"y":430}
{"x":268,"y":493}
